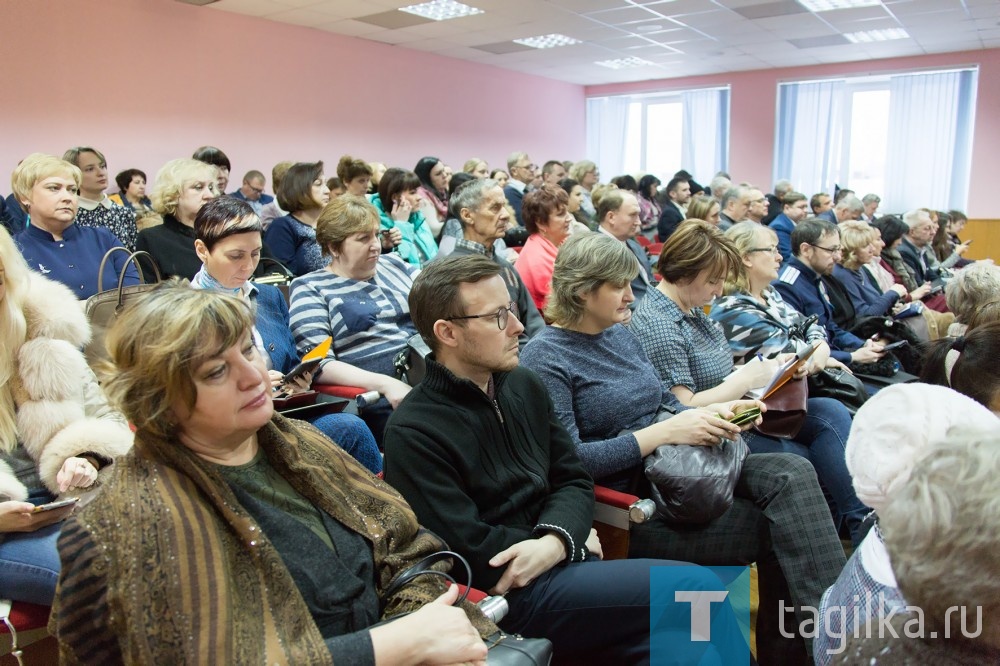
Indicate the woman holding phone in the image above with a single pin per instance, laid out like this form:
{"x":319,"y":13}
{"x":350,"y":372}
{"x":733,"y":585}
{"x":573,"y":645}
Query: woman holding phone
{"x":228,"y":242}
{"x":56,"y":429}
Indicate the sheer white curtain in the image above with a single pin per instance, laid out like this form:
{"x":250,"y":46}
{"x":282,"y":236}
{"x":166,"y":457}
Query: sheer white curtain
{"x":607,"y":129}
{"x":809,"y":141}
{"x":705,"y":137}
{"x":930,"y":148}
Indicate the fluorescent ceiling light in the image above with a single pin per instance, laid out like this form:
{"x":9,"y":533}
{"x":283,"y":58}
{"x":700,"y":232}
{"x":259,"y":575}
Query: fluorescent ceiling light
{"x":547,"y":41}
{"x":867,"y":36}
{"x":829,"y":5}
{"x":441,"y":10}
{"x":624,"y":63}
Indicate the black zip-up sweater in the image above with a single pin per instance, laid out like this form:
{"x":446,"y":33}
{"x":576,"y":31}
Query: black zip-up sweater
{"x":485,"y":474}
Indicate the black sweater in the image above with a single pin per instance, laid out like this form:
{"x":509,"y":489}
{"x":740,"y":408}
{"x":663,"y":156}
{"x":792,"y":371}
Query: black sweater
{"x":485,"y":474}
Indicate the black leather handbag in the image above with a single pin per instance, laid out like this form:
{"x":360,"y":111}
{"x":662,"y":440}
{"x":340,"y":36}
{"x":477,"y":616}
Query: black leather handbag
{"x":840,"y":385}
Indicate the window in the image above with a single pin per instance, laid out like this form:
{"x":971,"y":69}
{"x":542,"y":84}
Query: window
{"x":660,"y":133}
{"x":906,"y":137}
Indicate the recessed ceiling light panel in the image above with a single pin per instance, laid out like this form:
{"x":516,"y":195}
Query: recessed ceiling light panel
{"x":547,"y":41}
{"x":623,"y":63}
{"x":868,"y":36}
{"x":441,"y":10}
{"x":830,"y":5}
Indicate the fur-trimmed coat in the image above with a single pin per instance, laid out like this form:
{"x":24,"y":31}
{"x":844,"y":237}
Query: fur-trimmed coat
{"x":61,"y":411}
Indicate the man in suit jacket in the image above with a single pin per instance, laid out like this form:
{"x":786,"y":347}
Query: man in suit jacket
{"x":522,"y":171}
{"x":678,"y":194}
{"x":775,"y":202}
{"x":618,"y":216}
{"x":916,"y":245}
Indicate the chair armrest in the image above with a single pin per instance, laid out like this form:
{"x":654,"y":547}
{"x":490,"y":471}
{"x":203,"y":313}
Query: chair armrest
{"x":362,"y":396}
{"x":639,"y":510}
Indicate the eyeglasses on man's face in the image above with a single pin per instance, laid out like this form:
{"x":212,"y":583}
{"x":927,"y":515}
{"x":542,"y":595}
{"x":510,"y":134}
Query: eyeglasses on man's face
{"x":501,"y":315}
{"x":832,"y":250}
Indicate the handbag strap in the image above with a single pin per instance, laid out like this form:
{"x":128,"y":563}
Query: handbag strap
{"x":134,"y":258}
{"x":423,"y":567}
{"x":104,"y":261}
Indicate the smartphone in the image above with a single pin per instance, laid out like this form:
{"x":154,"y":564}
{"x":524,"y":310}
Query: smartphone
{"x":746,"y":416}
{"x":58,"y":504}
{"x":894,"y":345}
{"x":301,"y":369}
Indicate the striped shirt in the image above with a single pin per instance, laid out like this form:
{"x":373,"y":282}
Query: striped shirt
{"x":369,"y":320}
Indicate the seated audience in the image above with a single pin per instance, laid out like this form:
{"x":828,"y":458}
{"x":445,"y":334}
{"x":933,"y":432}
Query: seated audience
{"x":272,"y":211}
{"x":674,"y":211}
{"x":626,"y":183}
{"x":252,"y":191}
{"x":940,"y":530}
{"x":514,"y":500}
{"x":476,"y":167}
{"x":547,"y":220}
{"x":956,"y":222}
{"x":218,"y":159}
{"x":704,"y":208}
{"x":618,"y":217}
{"x":915,"y":248}
{"x":846,"y":207}
{"x":500,"y":176}
{"x":358,"y":299}
{"x":692,"y":357}
{"x":574,"y":193}
{"x":483,"y":213}
{"x":794,"y":209}
{"x":453,"y":227}
{"x":586,"y":173}
{"x":398,"y":203}
{"x":336,"y":187}
{"x":56,"y":429}
{"x":757,"y":210}
{"x":228,"y":242}
{"x":892,"y":230}
{"x":522,"y":173}
{"x":433,"y":190}
{"x":610,"y":399}
{"x":263,"y":542}
{"x":820,"y":203}
{"x":182,"y":187}
{"x":53,"y":244}
{"x":972,"y":289}
{"x":775,"y":200}
{"x":553,"y":171}
{"x":96,"y":209}
{"x":355,"y":174}
{"x":649,"y":209}
{"x":968,"y":364}
{"x":292,"y":238}
{"x":815,"y":248}
{"x":891,"y":433}
{"x":871,"y":203}
{"x":735,"y":204}
{"x":857,"y":241}
{"x":132,"y":194}
{"x":16,"y":218}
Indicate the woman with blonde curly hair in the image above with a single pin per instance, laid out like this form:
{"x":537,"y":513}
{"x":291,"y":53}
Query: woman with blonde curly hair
{"x":56,"y":430}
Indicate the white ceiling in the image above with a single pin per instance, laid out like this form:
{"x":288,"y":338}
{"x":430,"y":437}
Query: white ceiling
{"x":680,"y":37}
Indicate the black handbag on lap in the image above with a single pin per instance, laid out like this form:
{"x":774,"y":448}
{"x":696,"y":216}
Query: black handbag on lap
{"x":840,"y":385}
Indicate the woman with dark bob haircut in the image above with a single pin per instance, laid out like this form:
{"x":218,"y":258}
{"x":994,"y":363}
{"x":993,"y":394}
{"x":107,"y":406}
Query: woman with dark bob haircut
{"x":612,"y":402}
{"x":968,"y":364}
{"x":546,"y":217}
{"x":398,"y":202}
{"x":292,"y":238}
{"x":231,"y":534}
{"x":893,"y":229}
{"x":433,"y":189}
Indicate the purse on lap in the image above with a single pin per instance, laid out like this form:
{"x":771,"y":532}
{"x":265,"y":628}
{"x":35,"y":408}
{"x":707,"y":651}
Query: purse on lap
{"x":786,"y":410}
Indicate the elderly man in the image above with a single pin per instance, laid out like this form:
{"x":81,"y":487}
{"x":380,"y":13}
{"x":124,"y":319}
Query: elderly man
{"x":816,"y":249}
{"x":552,"y":172}
{"x":775,"y":204}
{"x":757,"y":210}
{"x":848,"y":208}
{"x":477,"y":451}
{"x":252,"y":191}
{"x":916,"y":246}
{"x":871,"y":203}
{"x":618,"y":217}
{"x":522,"y":172}
{"x":674,"y":208}
{"x":735,"y":204}
{"x":480,"y":207}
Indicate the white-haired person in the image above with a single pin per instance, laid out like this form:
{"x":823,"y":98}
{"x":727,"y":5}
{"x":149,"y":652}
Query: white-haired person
{"x":973,"y":288}
{"x":56,"y":429}
{"x":53,"y":244}
{"x":941,"y":528}
{"x":891,"y":433}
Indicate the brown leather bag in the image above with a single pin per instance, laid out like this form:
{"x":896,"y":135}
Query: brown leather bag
{"x":104,"y":307}
{"x":786,"y":410}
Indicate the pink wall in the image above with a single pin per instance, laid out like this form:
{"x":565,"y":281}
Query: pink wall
{"x":753,"y":104}
{"x":146,"y":81}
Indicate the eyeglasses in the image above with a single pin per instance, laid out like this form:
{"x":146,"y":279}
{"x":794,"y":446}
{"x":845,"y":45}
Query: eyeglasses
{"x":258,"y":190}
{"x":831,"y":250}
{"x":529,"y":167}
{"x":773,"y":249}
{"x":500,"y":315}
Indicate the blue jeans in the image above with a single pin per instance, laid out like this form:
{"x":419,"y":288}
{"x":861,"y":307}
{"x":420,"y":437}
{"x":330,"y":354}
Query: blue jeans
{"x":822,"y":440}
{"x":29,"y":565}
{"x":352,"y":434}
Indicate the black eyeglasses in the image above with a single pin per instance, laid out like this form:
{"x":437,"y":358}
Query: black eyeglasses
{"x":500,"y":315}
{"x":831,"y":250}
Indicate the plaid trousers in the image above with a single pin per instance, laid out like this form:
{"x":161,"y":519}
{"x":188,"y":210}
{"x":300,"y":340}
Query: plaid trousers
{"x":779,"y":519}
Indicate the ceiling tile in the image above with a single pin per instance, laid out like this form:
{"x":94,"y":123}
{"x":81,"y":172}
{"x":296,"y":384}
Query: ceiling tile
{"x":249,"y":7}
{"x":622,"y":16}
{"x":351,"y":28}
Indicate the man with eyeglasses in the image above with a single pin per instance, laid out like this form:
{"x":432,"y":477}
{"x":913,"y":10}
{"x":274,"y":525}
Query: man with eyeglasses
{"x":252,"y":191}
{"x":816,"y":249}
{"x":522,"y":171}
{"x":478,"y":452}
{"x":757,"y":210}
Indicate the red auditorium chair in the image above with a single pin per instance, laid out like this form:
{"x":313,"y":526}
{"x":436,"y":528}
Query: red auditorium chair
{"x":24,"y":635}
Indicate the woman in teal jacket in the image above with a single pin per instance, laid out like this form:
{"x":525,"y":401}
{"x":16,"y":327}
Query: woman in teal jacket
{"x":397,"y":202}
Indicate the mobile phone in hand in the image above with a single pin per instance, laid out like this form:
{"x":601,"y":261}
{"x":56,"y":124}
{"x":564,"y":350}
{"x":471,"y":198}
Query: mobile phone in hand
{"x":746,"y":416}
{"x":58,"y":504}
{"x":894,"y":345}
